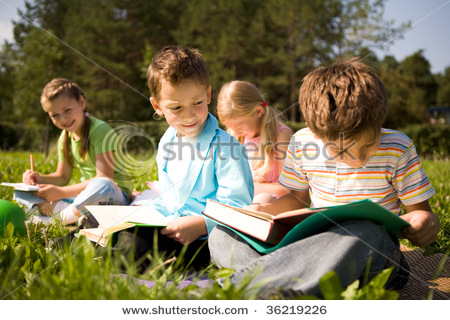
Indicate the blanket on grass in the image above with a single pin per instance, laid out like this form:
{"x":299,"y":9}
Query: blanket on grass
{"x":429,"y":277}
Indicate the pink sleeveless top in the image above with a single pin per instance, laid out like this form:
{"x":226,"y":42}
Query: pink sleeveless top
{"x":251,"y":143}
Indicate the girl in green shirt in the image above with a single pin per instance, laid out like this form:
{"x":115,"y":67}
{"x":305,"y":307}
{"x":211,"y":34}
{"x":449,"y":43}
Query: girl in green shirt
{"x":86,"y":143}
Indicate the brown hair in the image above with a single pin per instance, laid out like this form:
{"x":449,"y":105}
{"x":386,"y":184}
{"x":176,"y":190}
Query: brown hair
{"x":176,"y":64}
{"x":64,"y":87}
{"x":239,"y":99}
{"x":347,"y":98}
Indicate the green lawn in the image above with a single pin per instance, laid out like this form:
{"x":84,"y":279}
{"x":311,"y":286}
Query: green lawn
{"x":438,"y":172}
{"x":30,"y":271}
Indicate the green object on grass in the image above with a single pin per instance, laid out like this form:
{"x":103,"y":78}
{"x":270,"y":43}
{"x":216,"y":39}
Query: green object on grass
{"x":11,"y":212}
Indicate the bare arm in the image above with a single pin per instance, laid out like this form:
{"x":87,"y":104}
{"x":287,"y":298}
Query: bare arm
{"x":60,"y":177}
{"x":281,"y":145}
{"x":424,"y":224}
{"x":51,"y":191}
{"x":290,"y":201}
{"x":272,"y":188}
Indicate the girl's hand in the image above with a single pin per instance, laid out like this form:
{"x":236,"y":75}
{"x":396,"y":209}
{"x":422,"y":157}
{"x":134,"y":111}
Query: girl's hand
{"x":50,"y":192}
{"x":31,"y":177}
{"x":185,"y":229}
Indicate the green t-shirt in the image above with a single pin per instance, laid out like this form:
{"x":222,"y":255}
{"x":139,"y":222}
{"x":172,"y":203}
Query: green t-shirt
{"x":102,"y":138}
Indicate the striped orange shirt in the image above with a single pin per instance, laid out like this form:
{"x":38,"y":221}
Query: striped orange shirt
{"x":391,"y":177}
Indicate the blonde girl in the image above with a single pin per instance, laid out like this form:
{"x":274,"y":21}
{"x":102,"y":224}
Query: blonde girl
{"x":87,"y":144}
{"x":244,"y":111}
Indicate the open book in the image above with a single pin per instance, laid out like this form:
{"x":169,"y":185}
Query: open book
{"x":21,"y":186}
{"x":267,"y":232}
{"x":112,"y":219}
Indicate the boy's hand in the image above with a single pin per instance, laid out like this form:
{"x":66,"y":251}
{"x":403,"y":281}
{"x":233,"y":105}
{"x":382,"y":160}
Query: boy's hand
{"x":424,"y":224}
{"x":50,"y":192}
{"x":185,"y":229}
{"x":292,"y":201}
{"x":31,"y":177}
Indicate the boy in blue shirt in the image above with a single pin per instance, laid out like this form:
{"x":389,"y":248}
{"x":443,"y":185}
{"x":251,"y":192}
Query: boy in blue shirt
{"x":196,"y":160}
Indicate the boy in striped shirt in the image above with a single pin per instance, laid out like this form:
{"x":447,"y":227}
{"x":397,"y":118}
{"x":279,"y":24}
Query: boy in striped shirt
{"x":343,"y":156}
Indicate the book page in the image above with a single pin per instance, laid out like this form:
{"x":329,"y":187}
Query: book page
{"x":253,"y":213}
{"x":109,"y":216}
{"x":292,"y":213}
{"x":95,"y":235}
{"x":118,"y":227}
{"x":21,"y":186}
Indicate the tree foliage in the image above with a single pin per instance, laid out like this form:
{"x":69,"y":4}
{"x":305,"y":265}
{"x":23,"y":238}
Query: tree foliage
{"x":443,"y":94}
{"x":411,"y":89}
{"x":106,"y":46}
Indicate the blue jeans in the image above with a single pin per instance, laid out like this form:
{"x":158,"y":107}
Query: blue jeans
{"x":345,"y":248}
{"x":98,"y":191}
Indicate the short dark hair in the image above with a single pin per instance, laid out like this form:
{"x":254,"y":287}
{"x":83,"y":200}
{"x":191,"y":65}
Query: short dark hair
{"x":174,"y":65}
{"x":347,"y":97}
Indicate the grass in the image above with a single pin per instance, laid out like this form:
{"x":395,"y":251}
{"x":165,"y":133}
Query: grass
{"x":438,"y":172}
{"x":28,"y":270}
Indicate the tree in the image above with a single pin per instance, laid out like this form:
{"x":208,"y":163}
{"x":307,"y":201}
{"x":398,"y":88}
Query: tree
{"x":106,"y":46}
{"x":397,"y":88}
{"x":38,"y":62}
{"x":37,"y":57}
{"x":7,"y":80}
{"x":220,"y":29}
{"x":363,"y":25}
{"x":305,"y":32}
{"x":422,"y":84}
{"x":92,"y":42}
{"x":411,"y":89}
{"x":443,"y":94}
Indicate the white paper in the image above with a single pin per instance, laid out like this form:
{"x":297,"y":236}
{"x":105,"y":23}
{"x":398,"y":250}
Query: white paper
{"x":21,"y":186}
{"x":146,"y":196}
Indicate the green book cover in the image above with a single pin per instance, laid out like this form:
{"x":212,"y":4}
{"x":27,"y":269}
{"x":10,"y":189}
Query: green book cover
{"x":323,"y":220}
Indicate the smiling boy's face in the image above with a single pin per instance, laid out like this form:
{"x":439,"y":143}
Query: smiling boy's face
{"x":184,"y":106}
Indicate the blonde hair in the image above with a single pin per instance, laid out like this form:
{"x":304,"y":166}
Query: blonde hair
{"x":239,"y":99}
{"x":174,"y":65}
{"x":61,"y":87}
{"x":347,"y":98}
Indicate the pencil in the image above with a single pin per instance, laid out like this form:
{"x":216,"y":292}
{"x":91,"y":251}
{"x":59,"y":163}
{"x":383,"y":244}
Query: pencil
{"x":31,"y":162}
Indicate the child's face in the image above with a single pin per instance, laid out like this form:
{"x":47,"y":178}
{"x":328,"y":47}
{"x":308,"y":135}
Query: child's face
{"x":353,"y":152}
{"x":185,"y":106}
{"x":247,"y":127}
{"x":67,"y":113}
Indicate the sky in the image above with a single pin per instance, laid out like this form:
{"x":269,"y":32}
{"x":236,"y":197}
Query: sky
{"x":430,"y":29}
